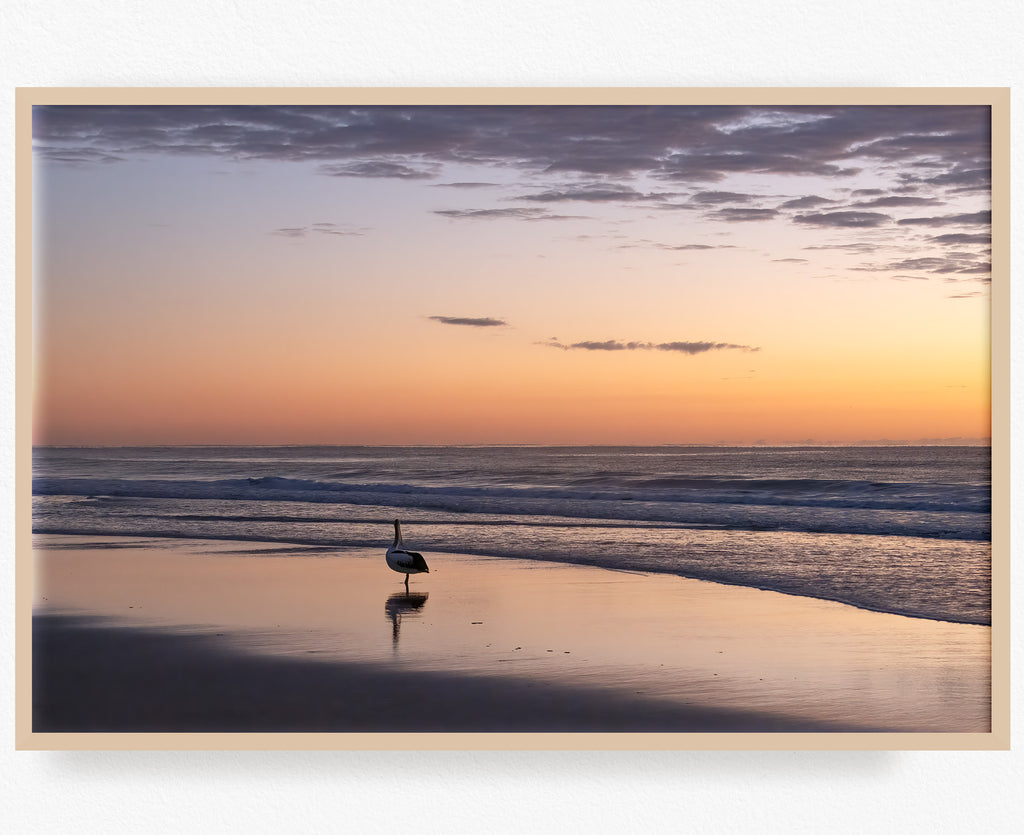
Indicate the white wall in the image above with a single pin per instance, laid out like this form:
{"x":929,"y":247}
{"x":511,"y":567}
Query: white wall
{"x":479,"y":43}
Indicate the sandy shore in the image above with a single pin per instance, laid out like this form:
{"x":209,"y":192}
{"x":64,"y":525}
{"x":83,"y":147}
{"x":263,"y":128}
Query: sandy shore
{"x":178,"y":636}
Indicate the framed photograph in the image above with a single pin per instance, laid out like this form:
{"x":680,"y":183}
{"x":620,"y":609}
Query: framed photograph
{"x":513,"y":418}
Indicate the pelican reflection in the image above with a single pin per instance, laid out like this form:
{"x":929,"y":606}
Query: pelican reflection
{"x":403,"y":603}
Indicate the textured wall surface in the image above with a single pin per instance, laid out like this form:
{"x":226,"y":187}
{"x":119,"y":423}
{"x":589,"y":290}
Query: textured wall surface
{"x":464,"y":43}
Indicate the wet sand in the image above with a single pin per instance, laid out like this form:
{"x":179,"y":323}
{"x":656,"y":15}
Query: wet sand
{"x":177,"y":636}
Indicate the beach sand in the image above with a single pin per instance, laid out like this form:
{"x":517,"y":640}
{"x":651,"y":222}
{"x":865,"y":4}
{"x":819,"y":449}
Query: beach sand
{"x":159,"y":635}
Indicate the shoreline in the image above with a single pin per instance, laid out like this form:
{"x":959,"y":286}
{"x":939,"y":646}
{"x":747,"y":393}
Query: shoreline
{"x":190,"y":635}
{"x":342,"y":549}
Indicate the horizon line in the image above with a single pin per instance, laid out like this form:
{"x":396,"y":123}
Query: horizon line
{"x":882,"y":442}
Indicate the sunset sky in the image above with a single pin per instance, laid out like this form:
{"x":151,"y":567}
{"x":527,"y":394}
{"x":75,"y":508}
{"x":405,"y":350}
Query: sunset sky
{"x":505,"y":274}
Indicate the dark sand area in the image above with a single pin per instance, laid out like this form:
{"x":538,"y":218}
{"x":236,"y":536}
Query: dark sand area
{"x":89,"y":677}
{"x":181,"y":636}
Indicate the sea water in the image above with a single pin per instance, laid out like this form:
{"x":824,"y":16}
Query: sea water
{"x":896,"y":529}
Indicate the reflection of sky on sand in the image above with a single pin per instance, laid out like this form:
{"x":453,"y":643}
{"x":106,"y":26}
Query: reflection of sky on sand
{"x":695,"y":642}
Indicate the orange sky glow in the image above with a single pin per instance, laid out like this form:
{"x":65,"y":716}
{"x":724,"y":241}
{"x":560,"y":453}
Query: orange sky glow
{"x":619,"y":275}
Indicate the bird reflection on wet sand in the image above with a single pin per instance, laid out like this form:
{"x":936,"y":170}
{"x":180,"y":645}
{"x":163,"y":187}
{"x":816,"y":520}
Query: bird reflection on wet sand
{"x":403,"y":603}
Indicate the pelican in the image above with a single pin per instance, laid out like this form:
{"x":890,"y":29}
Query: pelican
{"x":402,"y":561}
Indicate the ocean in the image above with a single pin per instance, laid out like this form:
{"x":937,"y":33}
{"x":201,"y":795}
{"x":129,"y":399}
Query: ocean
{"x":897,"y":529}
